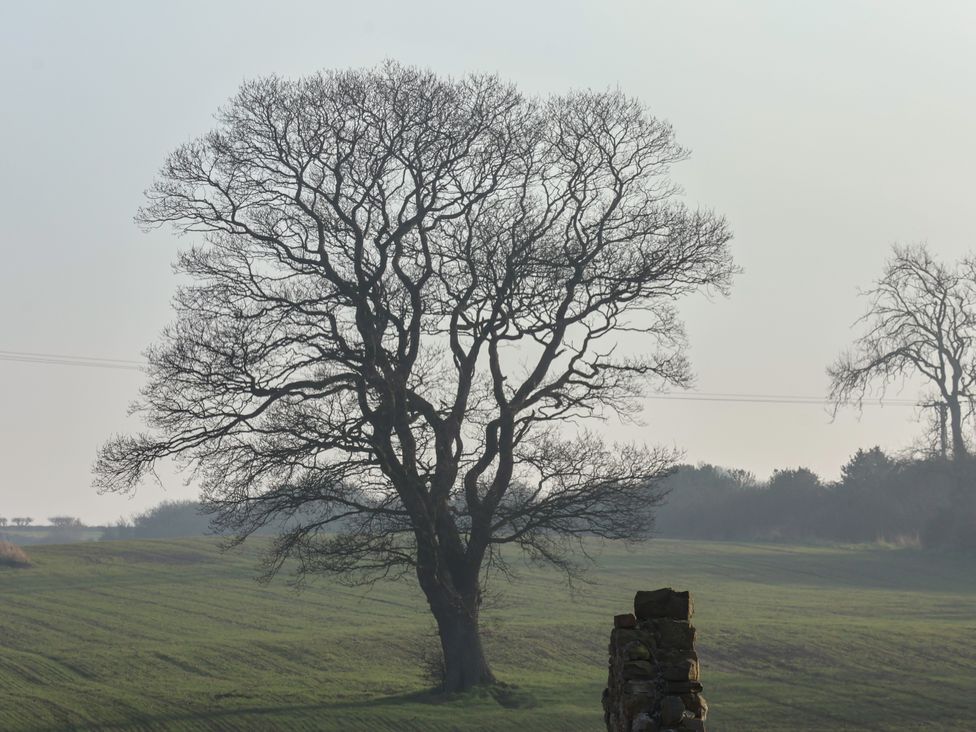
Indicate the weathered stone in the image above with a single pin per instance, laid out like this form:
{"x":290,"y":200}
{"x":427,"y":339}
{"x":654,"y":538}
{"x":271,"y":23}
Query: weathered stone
{"x":683,"y":687}
{"x":633,"y":705}
{"x":696,"y":704}
{"x":637,"y":651}
{"x":627,"y":620}
{"x":664,"y":603}
{"x":653,"y":676}
{"x":639,"y":687}
{"x":675,"y":634}
{"x":639,"y":670}
{"x":675,"y":656}
{"x":620,"y":637}
{"x":643,"y":723}
{"x":672,"y":711}
{"x":685,"y":670}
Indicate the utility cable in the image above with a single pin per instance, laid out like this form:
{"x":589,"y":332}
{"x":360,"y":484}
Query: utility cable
{"x":56,"y":359}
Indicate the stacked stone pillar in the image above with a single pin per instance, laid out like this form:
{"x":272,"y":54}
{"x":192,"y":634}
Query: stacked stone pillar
{"x":654,"y":683}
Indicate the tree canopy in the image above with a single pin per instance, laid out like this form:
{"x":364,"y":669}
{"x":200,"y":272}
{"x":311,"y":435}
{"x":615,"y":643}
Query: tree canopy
{"x":409,"y":296}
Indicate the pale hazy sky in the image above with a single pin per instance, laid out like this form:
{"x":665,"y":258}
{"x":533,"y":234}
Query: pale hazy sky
{"x":824,"y":131}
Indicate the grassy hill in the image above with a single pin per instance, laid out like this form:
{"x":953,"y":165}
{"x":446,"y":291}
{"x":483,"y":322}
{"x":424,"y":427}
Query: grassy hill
{"x":27,"y":535}
{"x":174,"y":635}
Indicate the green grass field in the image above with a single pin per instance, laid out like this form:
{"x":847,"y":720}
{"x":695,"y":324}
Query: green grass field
{"x":27,"y":535}
{"x":174,"y":635}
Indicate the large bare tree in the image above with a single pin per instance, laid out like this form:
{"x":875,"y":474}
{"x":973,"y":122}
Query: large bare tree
{"x":409,"y":294}
{"x":920,"y":323}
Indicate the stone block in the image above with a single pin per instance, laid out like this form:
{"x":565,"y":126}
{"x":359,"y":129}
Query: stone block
{"x":643,"y":723}
{"x":639,"y":687}
{"x":672,"y":711}
{"x":634,"y":705}
{"x":637,"y":651}
{"x":696,"y":704}
{"x":675,"y":656}
{"x":627,"y":620}
{"x":620,"y":637}
{"x":683,"y":670}
{"x":674,"y":634}
{"x":681,"y":688}
{"x":664,"y":603}
{"x":638,"y":670}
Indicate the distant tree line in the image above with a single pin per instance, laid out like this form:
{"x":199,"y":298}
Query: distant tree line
{"x":168,"y":520}
{"x":59,"y":530}
{"x":65,"y":522}
{"x":58,"y":522}
{"x":20,"y":521}
{"x":878,"y":498}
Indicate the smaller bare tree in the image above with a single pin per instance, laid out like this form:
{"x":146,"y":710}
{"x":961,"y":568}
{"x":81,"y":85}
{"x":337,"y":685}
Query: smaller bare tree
{"x":3,"y":522}
{"x":22,"y":521}
{"x":920,"y":322}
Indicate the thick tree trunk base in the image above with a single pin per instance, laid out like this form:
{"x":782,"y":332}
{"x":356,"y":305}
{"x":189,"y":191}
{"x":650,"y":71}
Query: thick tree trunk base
{"x":465,"y":666}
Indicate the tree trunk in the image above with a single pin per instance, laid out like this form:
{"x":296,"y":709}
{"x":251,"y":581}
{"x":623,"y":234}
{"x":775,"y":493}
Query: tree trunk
{"x":955,"y":425}
{"x":464,"y":658}
{"x":450,"y":581}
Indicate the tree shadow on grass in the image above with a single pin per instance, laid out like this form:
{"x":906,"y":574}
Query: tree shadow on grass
{"x":252,"y":716}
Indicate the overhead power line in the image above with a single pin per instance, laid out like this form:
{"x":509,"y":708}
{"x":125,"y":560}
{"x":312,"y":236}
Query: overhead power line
{"x":697,"y":396}
{"x":57,"y":359}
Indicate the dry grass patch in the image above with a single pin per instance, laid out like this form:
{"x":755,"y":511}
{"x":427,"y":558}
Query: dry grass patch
{"x":12,"y":555}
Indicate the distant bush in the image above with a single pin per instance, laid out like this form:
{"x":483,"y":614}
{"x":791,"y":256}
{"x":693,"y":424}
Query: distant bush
{"x":121,"y":529}
{"x":65,"y":530}
{"x":12,"y":555}
{"x":954,"y":527}
{"x":171,"y":519}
